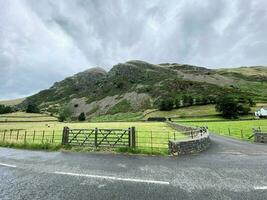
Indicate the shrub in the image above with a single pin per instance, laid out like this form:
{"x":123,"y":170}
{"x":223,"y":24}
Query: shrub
{"x":166,"y":104}
{"x":187,"y":100}
{"x":82,"y":117}
{"x":177,"y":103}
{"x":62,"y":118}
{"x":251,"y":102}
{"x":232,"y":107}
{"x":32,"y":108}
{"x":64,"y":113}
{"x":5,"y":109}
{"x":228,"y":106}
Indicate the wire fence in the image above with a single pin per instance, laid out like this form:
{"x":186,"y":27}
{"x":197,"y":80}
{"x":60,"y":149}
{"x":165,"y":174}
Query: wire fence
{"x":150,"y":141}
{"x":31,"y":136}
{"x":241,"y":133}
{"x":157,"y":141}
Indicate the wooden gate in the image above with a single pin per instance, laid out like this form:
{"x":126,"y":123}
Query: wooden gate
{"x":99,"y":137}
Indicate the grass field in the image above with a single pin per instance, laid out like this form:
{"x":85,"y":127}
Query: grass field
{"x":207,"y":111}
{"x":237,"y":129}
{"x":118,"y":117}
{"x":149,"y":135}
{"x":185,"y":112}
{"x":26,"y":117}
{"x":152,"y":136}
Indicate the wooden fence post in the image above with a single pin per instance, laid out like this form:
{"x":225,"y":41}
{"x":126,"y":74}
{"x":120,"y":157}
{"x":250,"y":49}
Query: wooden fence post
{"x":229,"y":131}
{"x":130,"y":137}
{"x":96,"y":132}
{"x":53,"y":136}
{"x":4,"y":135}
{"x":25,"y":135}
{"x":65,"y":136}
{"x":133,"y":135}
{"x":33,"y":138}
{"x":17,"y":135}
{"x":43,"y":136}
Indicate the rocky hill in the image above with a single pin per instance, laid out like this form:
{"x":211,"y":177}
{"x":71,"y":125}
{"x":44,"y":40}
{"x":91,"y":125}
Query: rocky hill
{"x":137,"y":86}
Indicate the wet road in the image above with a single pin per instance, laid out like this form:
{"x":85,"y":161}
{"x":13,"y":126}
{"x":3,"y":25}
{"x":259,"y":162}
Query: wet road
{"x":230,"y":169}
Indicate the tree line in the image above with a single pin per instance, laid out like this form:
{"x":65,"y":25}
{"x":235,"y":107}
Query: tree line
{"x":169,"y":103}
{"x":230,"y":106}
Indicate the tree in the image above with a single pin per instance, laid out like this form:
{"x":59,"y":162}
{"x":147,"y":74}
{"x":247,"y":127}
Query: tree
{"x":64,"y":113}
{"x":166,"y":104}
{"x":82,"y":117}
{"x":5,"y":109}
{"x":231,"y":107}
{"x":177,"y":103}
{"x":251,"y":102}
{"x":187,"y":100}
{"x":228,"y":106}
{"x":32,"y":108}
{"x":199,"y":101}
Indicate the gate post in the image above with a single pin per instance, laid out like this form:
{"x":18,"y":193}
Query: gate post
{"x":129,"y":137}
{"x":65,"y":135}
{"x":133,"y":141}
{"x":96,"y":131}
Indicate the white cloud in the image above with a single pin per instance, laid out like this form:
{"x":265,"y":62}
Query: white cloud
{"x":43,"y":41}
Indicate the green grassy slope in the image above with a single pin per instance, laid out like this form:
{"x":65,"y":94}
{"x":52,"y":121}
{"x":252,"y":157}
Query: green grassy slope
{"x":12,"y":102}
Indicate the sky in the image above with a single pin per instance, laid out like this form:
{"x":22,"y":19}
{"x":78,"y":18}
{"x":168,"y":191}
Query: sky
{"x":46,"y":40}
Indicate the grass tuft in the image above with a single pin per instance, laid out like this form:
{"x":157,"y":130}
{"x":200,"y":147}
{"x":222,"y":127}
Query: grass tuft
{"x":146,"y":151}
{"x":31,"y":146}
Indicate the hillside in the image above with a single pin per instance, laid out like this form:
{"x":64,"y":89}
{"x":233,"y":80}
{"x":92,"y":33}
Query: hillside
{"x":12,"y":102}
{"x":136,"y":86}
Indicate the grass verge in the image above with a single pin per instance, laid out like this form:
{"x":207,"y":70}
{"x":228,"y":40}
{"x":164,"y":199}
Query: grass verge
{"x":31,"y":146}
{"x":146,"y":151}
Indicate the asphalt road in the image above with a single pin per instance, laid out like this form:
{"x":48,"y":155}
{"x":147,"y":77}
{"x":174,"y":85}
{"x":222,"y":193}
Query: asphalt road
{"x":229,"y":169}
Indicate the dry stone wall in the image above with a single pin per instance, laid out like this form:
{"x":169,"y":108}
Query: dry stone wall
{"x":199,"y":142}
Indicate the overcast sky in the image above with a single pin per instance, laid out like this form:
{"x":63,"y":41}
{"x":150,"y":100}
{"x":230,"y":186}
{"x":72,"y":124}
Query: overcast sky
{"x":46,"y":40}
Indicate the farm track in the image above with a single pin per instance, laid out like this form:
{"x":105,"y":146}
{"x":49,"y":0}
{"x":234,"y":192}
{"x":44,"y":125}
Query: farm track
{"x":229,"y":169}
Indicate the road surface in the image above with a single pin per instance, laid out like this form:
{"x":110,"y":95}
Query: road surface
{"x":229,"y":169}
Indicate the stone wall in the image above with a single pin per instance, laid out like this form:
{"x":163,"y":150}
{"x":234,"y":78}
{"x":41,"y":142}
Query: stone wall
{"x":189,"y":146}
{"x":198,"y":142}
{"x":190,"y":131}
{"x":260,"y":136}
{"x":179,"y":127}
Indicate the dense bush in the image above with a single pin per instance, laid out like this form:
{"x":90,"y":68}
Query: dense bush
{"x":64,"y":113}
{"x":166,"y":104}
{"x":232,"y":107}
{"x":177,"y":102}
{"x":82,"y":117}
{"x":6,"y":109}
{"x":187,"y":100}
{"x":32,"y":108}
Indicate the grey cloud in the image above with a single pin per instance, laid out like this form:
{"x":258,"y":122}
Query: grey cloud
{"x":42,"y":42}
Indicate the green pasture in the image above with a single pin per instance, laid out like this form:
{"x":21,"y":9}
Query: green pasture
{"x":196,"y":111}
{"x":150,"y":136}
{"x":237,"y":129}
{"x":26,"y":117}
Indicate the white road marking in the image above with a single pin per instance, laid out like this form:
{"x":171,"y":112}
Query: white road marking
{"x":260,"y":187}
{"x":114,"y":178}
{"x":7,"y":165}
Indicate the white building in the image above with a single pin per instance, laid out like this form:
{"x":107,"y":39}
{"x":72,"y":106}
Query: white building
{"x":261,"y":113}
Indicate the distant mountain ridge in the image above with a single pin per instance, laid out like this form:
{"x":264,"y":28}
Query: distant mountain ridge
{"x":137,"y":85}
